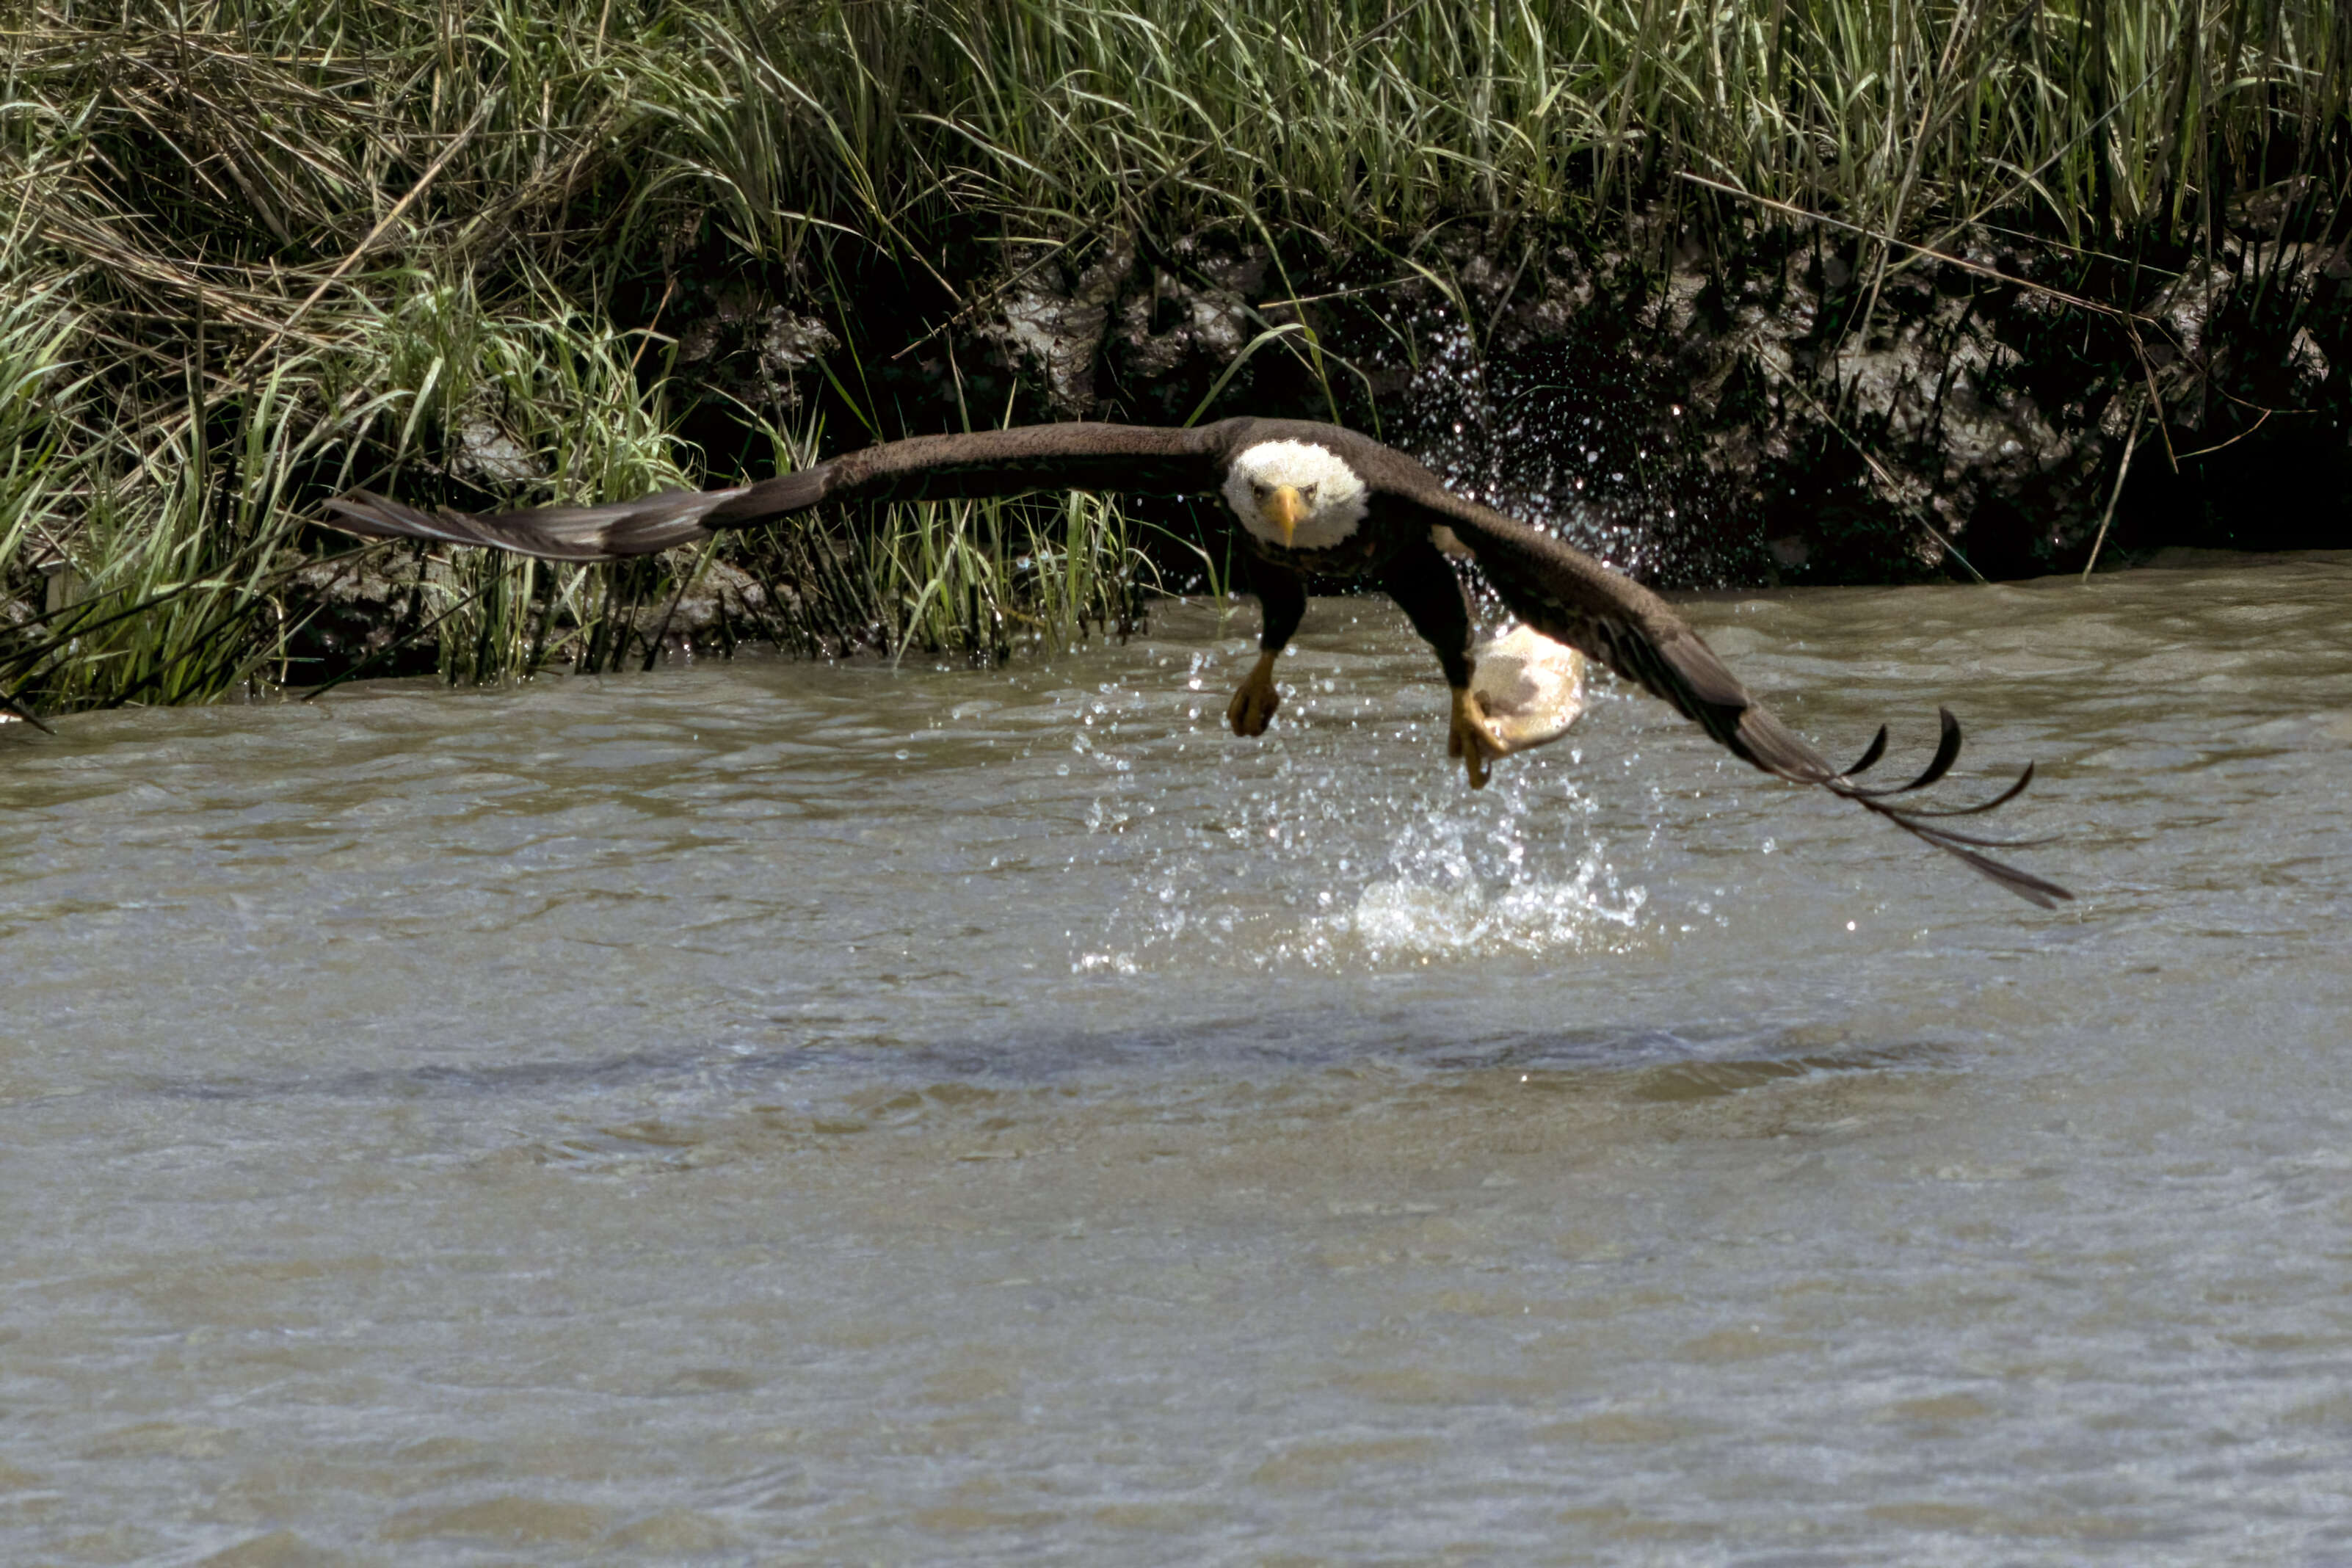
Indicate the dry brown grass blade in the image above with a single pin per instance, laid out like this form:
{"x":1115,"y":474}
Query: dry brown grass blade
{"x":1791,"y":210}
{"x":416,"y":192}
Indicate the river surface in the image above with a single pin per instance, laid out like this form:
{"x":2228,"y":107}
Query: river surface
{"x":772,"y":1112}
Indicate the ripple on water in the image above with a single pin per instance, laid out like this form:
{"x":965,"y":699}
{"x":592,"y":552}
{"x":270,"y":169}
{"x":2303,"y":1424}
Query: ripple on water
{"x":652,"y":1116}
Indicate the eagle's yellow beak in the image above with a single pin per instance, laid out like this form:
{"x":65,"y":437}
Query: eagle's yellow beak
{"x":1285,"y":509}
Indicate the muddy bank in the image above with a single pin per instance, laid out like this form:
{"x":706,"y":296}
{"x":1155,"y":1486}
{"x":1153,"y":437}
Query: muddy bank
{"x":1776,"y":410}
{"x":1776,"y":406}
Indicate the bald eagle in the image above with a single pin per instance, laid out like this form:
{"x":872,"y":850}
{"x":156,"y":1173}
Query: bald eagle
{"x":1311,"y":500}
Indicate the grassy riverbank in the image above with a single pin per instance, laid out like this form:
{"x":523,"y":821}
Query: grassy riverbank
{"x":254,"y":253}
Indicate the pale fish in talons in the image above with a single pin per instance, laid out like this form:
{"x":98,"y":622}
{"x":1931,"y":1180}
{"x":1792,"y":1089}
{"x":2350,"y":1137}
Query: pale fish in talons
{"x":1529,"y":687}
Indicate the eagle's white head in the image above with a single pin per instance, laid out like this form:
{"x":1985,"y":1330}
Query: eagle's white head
{"x":1296,"y":494}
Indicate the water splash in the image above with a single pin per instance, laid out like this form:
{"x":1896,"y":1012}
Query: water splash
{"x":1463,"y":890}
{"x":1518,"y":872}
{"x":1574,"y":444}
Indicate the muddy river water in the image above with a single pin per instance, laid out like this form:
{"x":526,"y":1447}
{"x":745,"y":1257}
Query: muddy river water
{"x":766,"y":1111}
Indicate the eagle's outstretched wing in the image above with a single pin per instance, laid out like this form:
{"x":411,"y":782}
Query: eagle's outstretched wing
{"x":1138,"y":459}
{"x":1559,"y":590}
{"x":1572,"y":598}
{"x":15,"y":709}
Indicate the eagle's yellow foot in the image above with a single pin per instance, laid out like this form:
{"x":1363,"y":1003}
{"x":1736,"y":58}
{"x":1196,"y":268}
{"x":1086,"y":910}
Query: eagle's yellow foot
{"x":1253,"y":706}
{"x":1472,"y":740}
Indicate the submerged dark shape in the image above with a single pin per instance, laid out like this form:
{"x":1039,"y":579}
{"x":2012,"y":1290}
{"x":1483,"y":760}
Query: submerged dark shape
{"x":10,"y":706}
{"x":1311,"y":499}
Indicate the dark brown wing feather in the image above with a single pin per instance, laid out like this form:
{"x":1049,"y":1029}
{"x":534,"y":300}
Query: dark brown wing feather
{"x":1135,"y":458}
{"x":10,"y":705}
{"x":1568,"y":596}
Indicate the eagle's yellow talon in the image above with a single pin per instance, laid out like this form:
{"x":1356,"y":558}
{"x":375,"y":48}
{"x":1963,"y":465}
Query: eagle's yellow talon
{"x":1471,"y":740}
{"x":1253,"y":706}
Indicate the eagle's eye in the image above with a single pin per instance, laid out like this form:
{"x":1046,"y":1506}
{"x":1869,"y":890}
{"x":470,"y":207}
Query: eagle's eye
{"x":1260,"y":487}
{"x":1306,"y":492}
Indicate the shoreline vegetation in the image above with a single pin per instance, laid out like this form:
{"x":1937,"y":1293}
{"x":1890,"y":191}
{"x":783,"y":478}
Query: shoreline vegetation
{"x":1729,"y":291}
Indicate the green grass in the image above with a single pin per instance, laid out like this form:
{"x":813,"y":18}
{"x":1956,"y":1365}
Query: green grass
{"x":252,"y":251}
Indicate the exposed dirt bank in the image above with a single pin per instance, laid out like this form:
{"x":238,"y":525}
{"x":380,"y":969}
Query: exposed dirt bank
{"x":1779,"y":410}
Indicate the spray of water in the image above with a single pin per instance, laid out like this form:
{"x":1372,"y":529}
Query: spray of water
{"x":1568,"y":439}
{"x":1319,"y":872}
